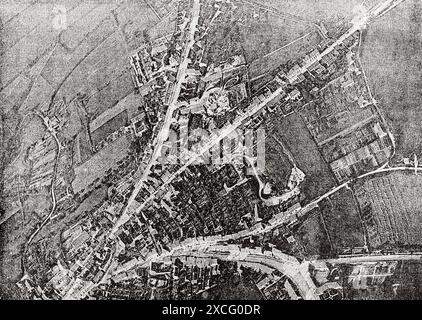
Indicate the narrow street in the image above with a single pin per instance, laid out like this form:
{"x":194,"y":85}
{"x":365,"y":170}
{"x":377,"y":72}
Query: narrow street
{"x":164,"y":132}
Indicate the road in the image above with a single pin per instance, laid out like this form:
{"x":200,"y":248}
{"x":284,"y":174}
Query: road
{"x":224,"y":132}
{"x":315,"y":202}
{"x":164,"y":132}
{"x":212,"y":244}
{"x":194,"y":158}
{"x":53,"y":133}
{"x":374,"y":258}
{"x":286,"y":45}
{"x":287,"y":265}
{"x":385,"y":7}
{"x":358,"y":23}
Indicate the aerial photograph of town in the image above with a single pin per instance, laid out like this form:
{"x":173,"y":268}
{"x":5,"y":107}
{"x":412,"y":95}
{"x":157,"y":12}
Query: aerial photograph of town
{"x":210,"y":150}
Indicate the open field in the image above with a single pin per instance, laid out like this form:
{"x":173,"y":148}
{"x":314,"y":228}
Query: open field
{"x":109,"y":96}
{"x":11,"y":8}
{"x":257,"y":33}
{"x":88,"y":55}
{"x":40,"y":61}
{"x":392,"y":58}
{"x":10,"y":263}
{"x":88,"y":15}
{"x":109,"y":127}
{"x":393,"y":201}
{"x":312,"y":236}
{"x":262,"y":36}
{"x":241,"y":291}
{"x":341,"y":218}
{"x":331,"y":12}
{"x":408,"y":274}
{"x":265,"y":32}
{"x":403,"y":284}
{"x":28,"y":33}
{"x":14,"y":233}
{"x":129,"y":104}
{"x":95,"y":167}
{"x":162,"y":28}
{"x":56,"y":71}
{"x":288,"y":51}
{"x":298,"y":140}
{"x":277,"y":165}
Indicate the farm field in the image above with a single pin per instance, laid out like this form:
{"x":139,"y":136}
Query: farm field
{"x":129,"y":104}
{"x":392,"y":57}
{"x":313,"y":237}
{"x":95,"y":167}
{"x":42,"y":62}
{"x":333,"y":13}
{"x":289,"y":51}
{"x":258,"y":34}
{"x":109,"y":127}
{"x":394,"y":203}
{"x":403,"y":284}
{"x":342,"y":220}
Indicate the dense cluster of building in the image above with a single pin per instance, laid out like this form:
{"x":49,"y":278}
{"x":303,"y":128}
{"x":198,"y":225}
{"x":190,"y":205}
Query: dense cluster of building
{"x":184,"y":278}
{"x":326,"y":87}
{"x":278,"y":287}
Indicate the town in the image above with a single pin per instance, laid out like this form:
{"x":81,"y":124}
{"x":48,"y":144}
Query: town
{"x":212,"y":179}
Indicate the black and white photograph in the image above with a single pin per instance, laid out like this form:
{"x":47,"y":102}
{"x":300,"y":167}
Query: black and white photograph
{"x":208,"y":151}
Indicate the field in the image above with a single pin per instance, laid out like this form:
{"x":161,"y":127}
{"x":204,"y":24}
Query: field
{"x":268,"y":33}
{"x":94,"y":199}
{"x":256,"y":33}
{"x":240,"y":292}
{"x":331,"y":12}
{"x":10,"y":263}
{"x":109,"y":127}
{"x":289,"y":51}
{"x":342,"y":220}
{"x":95,"y":167}
{"x":13,"y":235}
{"x":404,"y":284}
{"x":91,"y":52}
{"x":312,"y":236}
{"x":42,"y":59}
{"x":112,"y":94}
{"x":392,"y":57}
{"x":129,"y":104}
{"x":277,"y":165}
{"x":408,"y":275}
{"x":162,"y":28}
{"x":396,"y":206}
{"x":294,"y":134}
{"x":82,"y":148}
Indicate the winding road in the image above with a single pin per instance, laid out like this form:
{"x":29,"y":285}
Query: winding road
{"x":52,"y":192}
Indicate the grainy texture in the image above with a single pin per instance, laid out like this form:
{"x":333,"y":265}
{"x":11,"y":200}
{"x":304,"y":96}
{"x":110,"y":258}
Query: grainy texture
{"x":207,"y":149}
